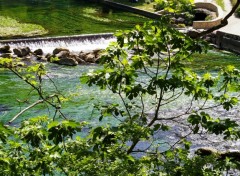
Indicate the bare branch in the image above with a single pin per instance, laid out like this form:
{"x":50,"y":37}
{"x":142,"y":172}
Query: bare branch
{"x":27,"y":108}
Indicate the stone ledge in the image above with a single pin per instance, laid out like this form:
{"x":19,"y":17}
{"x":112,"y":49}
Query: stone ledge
{"x":210,"y":23}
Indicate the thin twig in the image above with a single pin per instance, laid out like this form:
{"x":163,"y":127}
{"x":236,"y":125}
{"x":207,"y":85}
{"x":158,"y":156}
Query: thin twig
{"x":27,"y":108}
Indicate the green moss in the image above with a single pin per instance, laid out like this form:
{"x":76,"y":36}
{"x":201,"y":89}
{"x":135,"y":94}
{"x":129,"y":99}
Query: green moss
{"x":214,"y":61}
{"x":11,"y":28}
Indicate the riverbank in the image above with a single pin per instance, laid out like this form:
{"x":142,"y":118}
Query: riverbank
{"x":10,"y":28}
{"x":65,"y":18}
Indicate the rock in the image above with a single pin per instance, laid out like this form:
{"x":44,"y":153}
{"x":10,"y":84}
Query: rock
{"x":83,"y":55}
{"x":64,"y":58}
{"x":27,"y":59}
{"x":26,"y":51}
{"x":63,"y":54}
{"x":6,"y":55}
{"x":43,"y":59}
{"x":58,"y":50}
{"x":233,"y":155}
{"x":206,"y":151}
{"x":38,"y":52}
{"x":90,"y":58}
{"x":20,"y":52}
{"x":67,"y":61}
{"x":192,"y":33}
{"x":48,"y":57}
{"x":96,"y":52}
{"x":180,"y":20}
{"x":97,"y":55}
{"x":39,"y":57}
{"x":5,"y":49}
{"x":80,"y":61}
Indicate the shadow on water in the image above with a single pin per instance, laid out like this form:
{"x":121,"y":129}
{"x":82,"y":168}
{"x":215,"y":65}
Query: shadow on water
{"x":69,"y":17}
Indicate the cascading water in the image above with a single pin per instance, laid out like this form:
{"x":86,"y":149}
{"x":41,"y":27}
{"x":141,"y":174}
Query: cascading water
{"x":73,"y":43}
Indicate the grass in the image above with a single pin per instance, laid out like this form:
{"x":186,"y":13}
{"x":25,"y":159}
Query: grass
{"x":10,"y":28}
{"x":141,"y":4}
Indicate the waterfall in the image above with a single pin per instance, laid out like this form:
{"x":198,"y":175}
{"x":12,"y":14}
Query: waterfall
{"x":74,"y":43}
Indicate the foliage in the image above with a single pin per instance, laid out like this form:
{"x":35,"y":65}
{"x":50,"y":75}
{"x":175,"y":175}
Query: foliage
{"x":176,"y":6}
{"x":221,"y":4}
{"x":146,"y":69}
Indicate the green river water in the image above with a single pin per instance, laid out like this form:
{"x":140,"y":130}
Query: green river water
{"x":67,"y":79}
{"x":68,"y":17}
{"x":13,"y":92}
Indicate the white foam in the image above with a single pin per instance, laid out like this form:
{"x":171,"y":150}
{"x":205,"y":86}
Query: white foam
{"x":73,"y":45}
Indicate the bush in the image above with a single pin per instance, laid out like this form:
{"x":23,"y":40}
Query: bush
{"x":176,"y":6}
{"x":238,"y":12}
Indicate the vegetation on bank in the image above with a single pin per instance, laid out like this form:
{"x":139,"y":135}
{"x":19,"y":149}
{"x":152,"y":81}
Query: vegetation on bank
{"x":10,"y":28}
{"x":70,"y":17}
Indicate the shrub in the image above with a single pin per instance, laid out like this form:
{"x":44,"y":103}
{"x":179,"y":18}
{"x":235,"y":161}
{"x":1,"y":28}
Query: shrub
{"x":176,"y":6}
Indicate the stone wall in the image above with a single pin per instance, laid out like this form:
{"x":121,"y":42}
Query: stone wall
{"x":228,"y":42}
{"x":208,"y":24}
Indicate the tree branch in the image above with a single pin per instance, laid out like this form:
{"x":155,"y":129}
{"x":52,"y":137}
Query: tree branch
{"x":223,"y":23}
{"x":27,"y":108}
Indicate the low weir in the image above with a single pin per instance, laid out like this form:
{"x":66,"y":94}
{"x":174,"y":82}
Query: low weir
{"x":74,"y":43}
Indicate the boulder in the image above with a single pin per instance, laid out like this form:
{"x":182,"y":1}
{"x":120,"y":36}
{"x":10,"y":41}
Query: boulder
{"x":5,"y":49}
{"x":48,"y":57}
{"x":83,"y":55}
{"x":20,"y":52}
{"x":63,"y":54}
{"x":206,"y":151}
{"x":67,"y":61}
{"x":40,"y":58}
{"x":80,"y":61}
{"x":38,"y":52}
{"x":58,"y":50}
{"x":26,"y":51}
{"x":64,"y":58}
{"x":90,"y":58}
{"x":193,"y":33}
{"x":6,"y":55}
{"x":96,"y":52}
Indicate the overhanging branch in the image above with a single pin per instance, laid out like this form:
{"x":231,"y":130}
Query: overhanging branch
{"x":223,"y":23}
